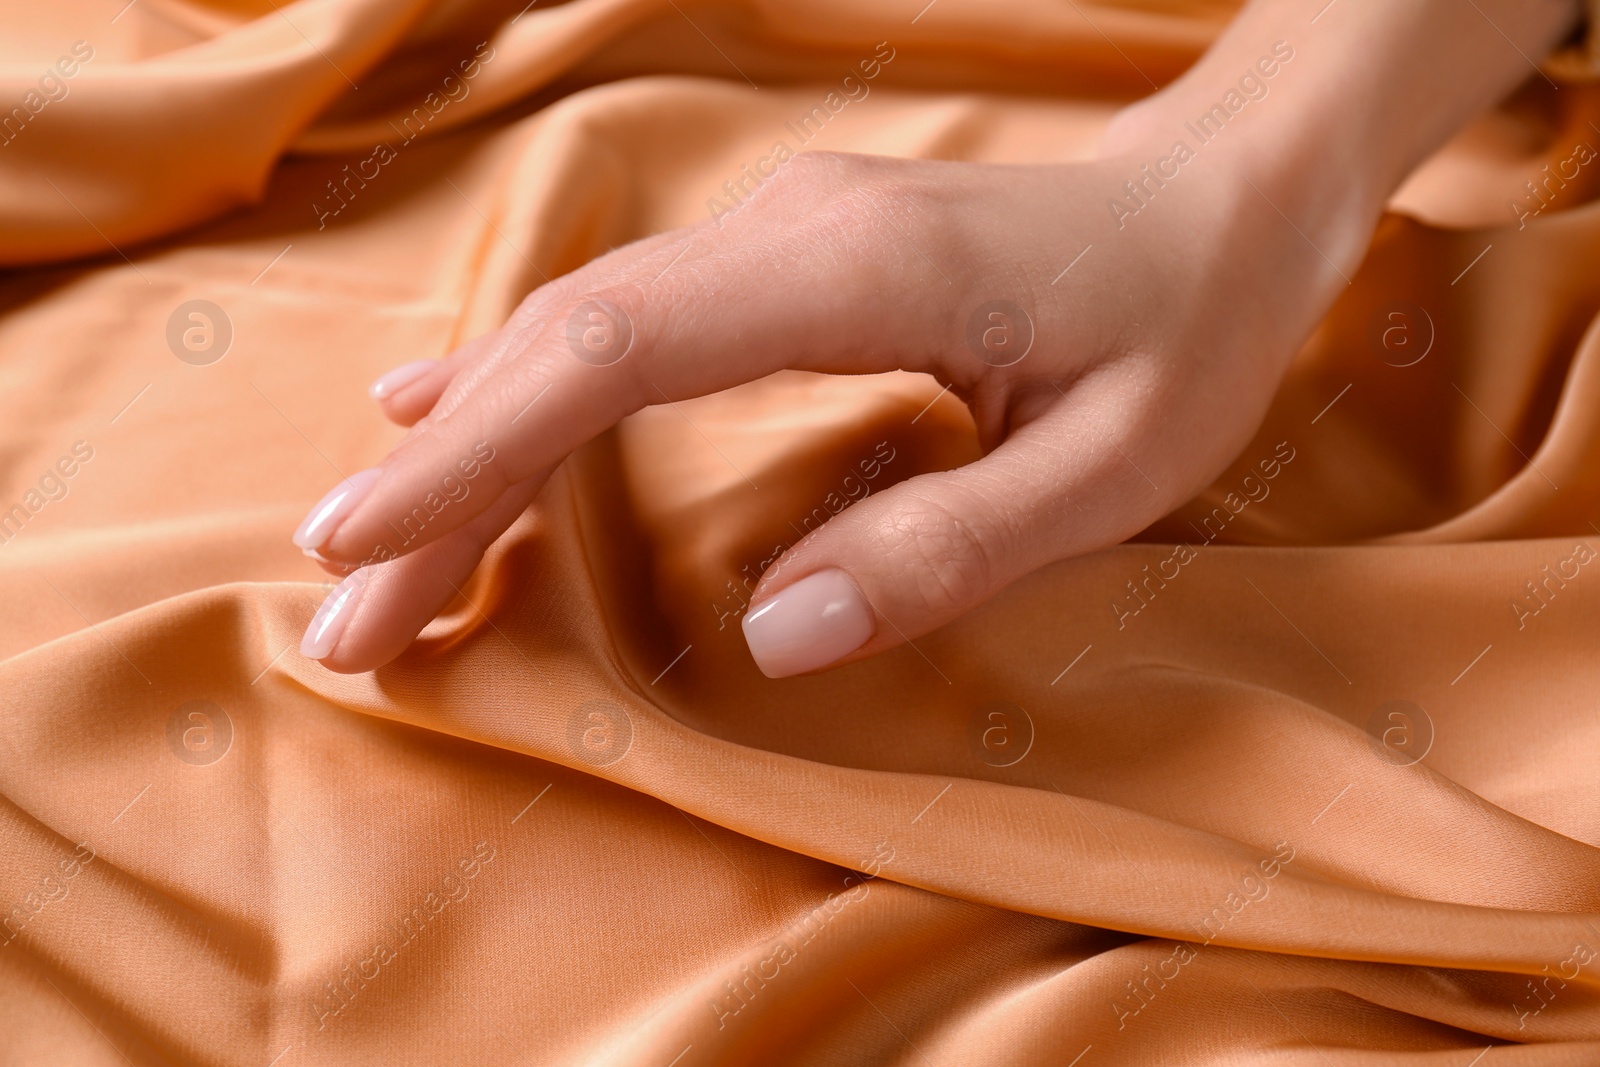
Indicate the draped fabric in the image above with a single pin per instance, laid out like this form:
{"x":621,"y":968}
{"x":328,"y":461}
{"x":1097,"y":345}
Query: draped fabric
{"x":1303,"y":775}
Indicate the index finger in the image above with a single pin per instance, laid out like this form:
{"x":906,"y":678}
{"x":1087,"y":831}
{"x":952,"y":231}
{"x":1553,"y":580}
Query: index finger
{"x":678,"y":320}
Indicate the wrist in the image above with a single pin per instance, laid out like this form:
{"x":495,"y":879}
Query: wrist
{"x":1233,"y":118}
{"x":1325,"y":119}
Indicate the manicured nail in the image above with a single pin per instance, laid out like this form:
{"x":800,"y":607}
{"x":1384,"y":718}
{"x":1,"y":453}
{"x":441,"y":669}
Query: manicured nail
{"x":334,"y":615}
{"x":319,"y":524}
{"x":810,"y":624}
{"x":338,"y":565}
{"x":399,"y":378}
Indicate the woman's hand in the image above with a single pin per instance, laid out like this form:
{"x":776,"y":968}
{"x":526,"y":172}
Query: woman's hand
{"x":1115,"y":360}
{"x":1105,"y":394}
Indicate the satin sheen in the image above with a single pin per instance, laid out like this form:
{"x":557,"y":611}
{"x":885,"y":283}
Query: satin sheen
{"x":1304,"y":775}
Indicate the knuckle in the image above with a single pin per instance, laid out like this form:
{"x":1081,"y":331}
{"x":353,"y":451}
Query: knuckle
{"x":797,"y":185}
{"x":858,"y":215}
{"x":814,"y":175}
{"x":834,"y":188}
{"x":876,"y":203}
{"x":480,"y":391}
{"x":600,"y":328}
{"x":948,"y":560}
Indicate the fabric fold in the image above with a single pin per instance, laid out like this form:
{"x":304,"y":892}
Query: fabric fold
{"x":1300,"y":774}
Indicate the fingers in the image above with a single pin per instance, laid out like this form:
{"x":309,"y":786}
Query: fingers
{"x":405,"y":395}
{"x":376,"y":612}
{"x":408,"y":392}
{"x":672,"y":319}
{"x":820,"y":278}
{"x":905,"y":561}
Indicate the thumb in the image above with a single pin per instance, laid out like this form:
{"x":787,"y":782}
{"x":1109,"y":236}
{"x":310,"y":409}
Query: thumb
{"x":896,"y":565}
{"x":1073,"y":476}
{"x":904,"y":562}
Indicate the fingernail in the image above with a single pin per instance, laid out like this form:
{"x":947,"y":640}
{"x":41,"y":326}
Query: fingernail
{"x":810,"y":624}
{"x":338,"y":565}
{"x":319,"y":524}
{"x":399,"y":378}
{"x":334,"y":615}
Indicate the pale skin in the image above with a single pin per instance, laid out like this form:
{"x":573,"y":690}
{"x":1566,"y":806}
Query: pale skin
{"x":1153,"y":359}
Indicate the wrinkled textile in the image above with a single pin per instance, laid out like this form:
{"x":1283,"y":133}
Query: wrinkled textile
{"x":1303,"y":775}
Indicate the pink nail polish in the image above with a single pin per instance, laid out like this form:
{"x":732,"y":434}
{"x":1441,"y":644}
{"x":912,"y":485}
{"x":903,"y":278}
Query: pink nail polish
{"x":331,"y":619}
{"x":342,"y":568}
{"x":322,"y":520}
{"x":390,"y":384}
{"x":809,"y":625}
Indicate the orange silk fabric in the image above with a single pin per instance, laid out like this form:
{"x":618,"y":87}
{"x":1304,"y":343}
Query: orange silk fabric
{"x":1305,"y":775}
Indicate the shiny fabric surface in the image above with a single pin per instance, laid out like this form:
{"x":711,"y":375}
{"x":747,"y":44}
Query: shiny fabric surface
{"x":1304,"y":775}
